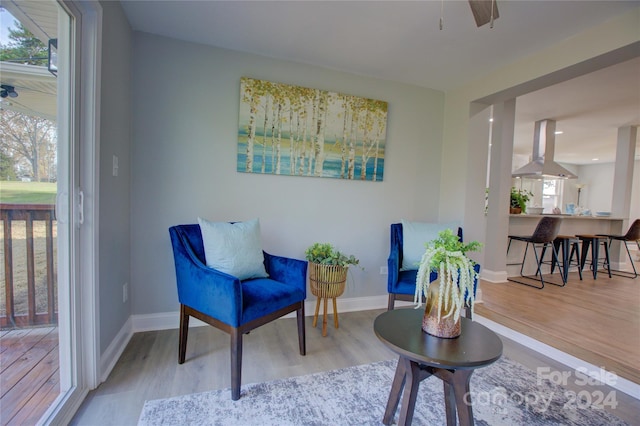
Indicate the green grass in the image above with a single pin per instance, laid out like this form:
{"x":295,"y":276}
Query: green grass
{"x":12,"y":192}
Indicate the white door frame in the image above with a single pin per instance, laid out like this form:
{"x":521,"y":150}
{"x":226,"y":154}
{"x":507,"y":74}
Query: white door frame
{"x":79,"y":121}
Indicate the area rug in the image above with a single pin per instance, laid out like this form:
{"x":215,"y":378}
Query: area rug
{"x":504,"y":393}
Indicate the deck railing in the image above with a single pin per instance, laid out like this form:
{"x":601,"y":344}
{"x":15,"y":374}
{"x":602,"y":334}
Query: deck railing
{"x":40,"y":307}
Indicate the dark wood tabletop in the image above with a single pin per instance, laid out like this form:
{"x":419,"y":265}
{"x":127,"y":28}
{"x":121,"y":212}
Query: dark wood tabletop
{"x":401,"y":331}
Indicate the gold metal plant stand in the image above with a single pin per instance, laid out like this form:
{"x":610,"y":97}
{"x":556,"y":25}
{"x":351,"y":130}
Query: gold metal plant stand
{"x":326,"y":281}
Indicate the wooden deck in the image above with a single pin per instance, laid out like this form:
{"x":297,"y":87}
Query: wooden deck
{"x":29,"y":374}
{"x":597,"y":320}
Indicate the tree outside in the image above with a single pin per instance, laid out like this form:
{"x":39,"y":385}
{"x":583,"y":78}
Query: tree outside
{"x":23,"y":47}
{"x":27,"y":142}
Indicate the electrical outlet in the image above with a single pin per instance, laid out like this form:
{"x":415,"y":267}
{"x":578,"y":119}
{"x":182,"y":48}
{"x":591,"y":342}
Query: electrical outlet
{"x":125,"y":292}
{"x":384,"y":270}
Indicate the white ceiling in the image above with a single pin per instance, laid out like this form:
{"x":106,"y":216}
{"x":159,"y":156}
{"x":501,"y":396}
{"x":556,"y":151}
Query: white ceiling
{"x":393,"y":40}
{"x":588,"y":109}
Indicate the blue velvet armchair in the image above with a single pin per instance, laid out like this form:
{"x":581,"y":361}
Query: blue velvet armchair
{"x":231,"y":305}
{"x":401,"y":284}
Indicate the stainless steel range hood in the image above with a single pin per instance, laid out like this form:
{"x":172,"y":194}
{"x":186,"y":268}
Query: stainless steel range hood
{"x":542,"y":164}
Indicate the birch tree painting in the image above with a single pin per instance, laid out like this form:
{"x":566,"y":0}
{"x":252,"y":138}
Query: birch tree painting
{"x":297,"y":131}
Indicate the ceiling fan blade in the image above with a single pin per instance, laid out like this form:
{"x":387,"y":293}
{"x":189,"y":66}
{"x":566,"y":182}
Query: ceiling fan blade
{"x":482,"y":11}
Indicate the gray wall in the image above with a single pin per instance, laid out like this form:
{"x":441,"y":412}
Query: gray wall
{"x":114,"y":192}
{"x":185,"y":121}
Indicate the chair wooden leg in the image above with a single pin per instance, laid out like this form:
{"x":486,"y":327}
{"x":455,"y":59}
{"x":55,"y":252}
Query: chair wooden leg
{"x":302,"y":338}
{"x":391,"y":303}
{"x":236,"y":363}
{"x":184,"y":331}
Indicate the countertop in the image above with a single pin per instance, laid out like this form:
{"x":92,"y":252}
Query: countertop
{"x":566,"y":216}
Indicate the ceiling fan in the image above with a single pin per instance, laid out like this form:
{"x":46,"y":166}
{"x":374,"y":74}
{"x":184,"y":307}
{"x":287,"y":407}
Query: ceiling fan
{"x":484,"y":11}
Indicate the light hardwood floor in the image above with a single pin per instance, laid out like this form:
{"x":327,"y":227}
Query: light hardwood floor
{"x":597,"y":321}
{"x":148,"y":368}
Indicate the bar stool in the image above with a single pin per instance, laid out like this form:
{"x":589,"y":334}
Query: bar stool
{"x":567,"y":245}
{"x":543,"y":237}
{"x":594,"y":241}
{"x":633,"y":234}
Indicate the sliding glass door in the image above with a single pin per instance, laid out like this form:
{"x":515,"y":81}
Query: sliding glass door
{"x":50,"y":92}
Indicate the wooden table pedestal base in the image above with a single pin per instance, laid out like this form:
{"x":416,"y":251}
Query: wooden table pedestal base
{"x":409,"y":374}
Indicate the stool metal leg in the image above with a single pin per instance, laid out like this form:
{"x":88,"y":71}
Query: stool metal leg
{"x":625,"y":274}
{"x":606,"y":254}
{"x":585,"y":249}
{"x":567,"y":248}
{"x":562,"y":275}
{"x":595,"y":251}
{"x":565,"y":259}
{"x":575,"y":249}
{"x":595,"y":242}
{"x":538,"y":275}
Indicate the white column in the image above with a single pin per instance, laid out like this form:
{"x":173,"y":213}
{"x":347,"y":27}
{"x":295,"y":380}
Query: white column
{"x":623,"y":175}
{"x":475,"y":185}
{"x":622,"y":186}
{"x":495,"y":249}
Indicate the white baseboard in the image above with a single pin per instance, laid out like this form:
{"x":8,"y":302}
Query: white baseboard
{"x":110,"y":356}
{"x":170,"y":320}
{"x":623,"y":385}
{"x":493,"y":276}
{"x":160,"y":321}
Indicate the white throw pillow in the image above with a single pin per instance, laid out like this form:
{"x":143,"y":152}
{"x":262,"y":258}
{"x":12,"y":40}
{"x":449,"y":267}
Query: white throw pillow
{"x":414,"y":237}
{"x":234,"y":248}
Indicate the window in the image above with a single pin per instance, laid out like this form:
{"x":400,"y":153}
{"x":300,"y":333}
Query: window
{"x":551,"y":194}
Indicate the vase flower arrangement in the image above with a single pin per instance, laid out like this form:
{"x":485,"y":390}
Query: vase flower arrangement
{"x":446,"y":255}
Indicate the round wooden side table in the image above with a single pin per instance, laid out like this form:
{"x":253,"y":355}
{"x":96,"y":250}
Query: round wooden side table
{"x":422,"y":355}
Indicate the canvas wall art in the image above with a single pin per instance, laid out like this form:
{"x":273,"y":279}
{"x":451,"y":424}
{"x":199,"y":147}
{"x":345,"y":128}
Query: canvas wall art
{"x":298,"y":131}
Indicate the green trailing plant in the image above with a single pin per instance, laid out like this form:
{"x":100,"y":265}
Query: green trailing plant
{"x":326,"y":254}
{"x":446,"y":255}
{"x":519,"y":198}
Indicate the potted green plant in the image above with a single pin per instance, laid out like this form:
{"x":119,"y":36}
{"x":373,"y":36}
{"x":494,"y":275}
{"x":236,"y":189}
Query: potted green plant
{"x":453,"y":290}
{"x":327,"y":277}
{"x":519,"y":199}
{"x":326,"y":254}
